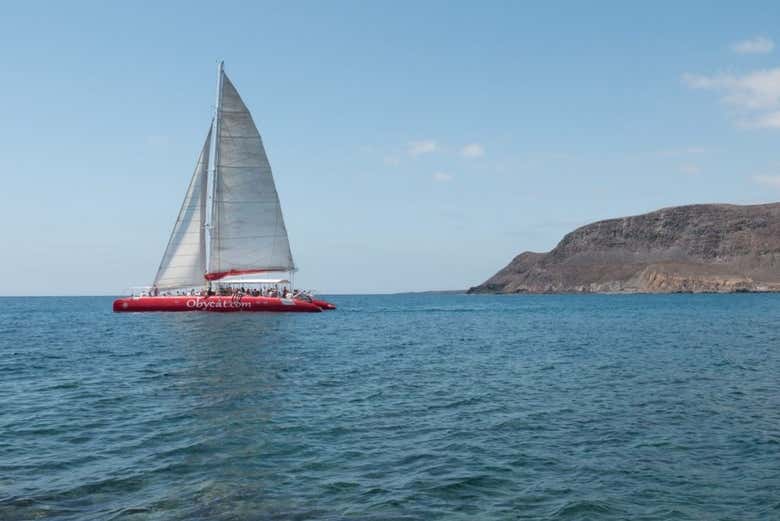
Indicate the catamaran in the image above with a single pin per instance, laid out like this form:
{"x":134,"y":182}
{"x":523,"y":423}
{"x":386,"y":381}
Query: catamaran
{"x":230,"y":227}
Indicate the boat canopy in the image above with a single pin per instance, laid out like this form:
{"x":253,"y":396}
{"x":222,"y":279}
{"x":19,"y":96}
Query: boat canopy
{"x":254,"y":281}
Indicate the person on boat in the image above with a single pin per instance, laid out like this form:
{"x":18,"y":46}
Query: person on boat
{"x":301,"y":295}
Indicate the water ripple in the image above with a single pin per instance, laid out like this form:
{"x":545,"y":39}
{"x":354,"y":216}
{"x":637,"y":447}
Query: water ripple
{"x":395,"y":407}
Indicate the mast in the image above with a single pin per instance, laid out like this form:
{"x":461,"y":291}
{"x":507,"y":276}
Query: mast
{"x":211,"y":183}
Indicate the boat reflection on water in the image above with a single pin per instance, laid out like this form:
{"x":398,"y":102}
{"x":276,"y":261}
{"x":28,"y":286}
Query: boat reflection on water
{"x":227,"y":391}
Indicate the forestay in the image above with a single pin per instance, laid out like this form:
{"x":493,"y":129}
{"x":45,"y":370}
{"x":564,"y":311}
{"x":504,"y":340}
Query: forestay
{"x":184,"y":261}
{"x":248,"y":232}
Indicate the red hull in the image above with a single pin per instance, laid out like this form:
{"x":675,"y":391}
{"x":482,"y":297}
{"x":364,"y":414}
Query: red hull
{"x":325,"y":306}
{"x":214,"y":303}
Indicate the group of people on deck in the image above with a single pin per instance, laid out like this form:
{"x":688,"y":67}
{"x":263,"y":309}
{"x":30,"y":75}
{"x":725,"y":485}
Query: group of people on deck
{"x":228,"y":291}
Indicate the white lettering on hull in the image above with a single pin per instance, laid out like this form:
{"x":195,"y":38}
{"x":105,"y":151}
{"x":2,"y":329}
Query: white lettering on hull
{"x":217,"y":304}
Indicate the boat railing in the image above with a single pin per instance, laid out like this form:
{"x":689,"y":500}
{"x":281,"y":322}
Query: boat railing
{"x":148,"y":291}
{"x":140,"y":291}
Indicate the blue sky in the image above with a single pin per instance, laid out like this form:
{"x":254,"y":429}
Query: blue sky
{"x":415,"y":145}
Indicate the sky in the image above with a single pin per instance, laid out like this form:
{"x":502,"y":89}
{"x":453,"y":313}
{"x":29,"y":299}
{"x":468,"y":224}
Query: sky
{"x":415,"y":145}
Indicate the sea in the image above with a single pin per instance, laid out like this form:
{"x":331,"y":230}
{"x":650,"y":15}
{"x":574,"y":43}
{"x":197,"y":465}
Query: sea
{"x":394,"y":407}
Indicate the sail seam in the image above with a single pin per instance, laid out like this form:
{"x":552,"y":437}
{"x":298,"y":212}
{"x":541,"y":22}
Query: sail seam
{"x":245,"y":199}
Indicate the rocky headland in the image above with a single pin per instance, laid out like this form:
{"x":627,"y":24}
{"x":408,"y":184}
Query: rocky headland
{"x":699,"y":248}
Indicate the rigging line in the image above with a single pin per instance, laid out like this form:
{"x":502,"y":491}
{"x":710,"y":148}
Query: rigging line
{"x":243,"y":166}
{"x":246,"y":237}
{"x":258,"y":201}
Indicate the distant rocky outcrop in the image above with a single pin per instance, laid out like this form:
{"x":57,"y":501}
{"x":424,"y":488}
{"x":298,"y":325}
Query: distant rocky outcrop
{"x":699,"y":248}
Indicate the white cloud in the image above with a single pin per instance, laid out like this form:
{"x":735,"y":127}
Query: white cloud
{"x":690,"y":169}
{"x":768,"y":180}
{"x":442,"y":177}
{"x":768,"y":120}
{"x":418,"y":148}
{"x":472,"y":150}
{"x":756,"y":90}
{"x":687,"y":151}
{"x":757,"y":45}
{"x":392,"y":160}
{"x":755,"y":95}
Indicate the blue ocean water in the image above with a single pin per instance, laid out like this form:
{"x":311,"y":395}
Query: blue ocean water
{"x":394,"y":407}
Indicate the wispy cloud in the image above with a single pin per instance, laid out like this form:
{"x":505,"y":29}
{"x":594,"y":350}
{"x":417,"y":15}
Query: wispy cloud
{"x":686,"y":151}
{"x":767,"y":180}
{"x":418,"y":148}
{"x":690,"y":169}
{"x":755,"y":95}
{"x":391,"y":160}
{"x":472,"y":150}
{"x":442,"y":177}
{"x":696,"y":150}
{"x":755,"y":90}
{"x":756,"y":45}
{"x":768,"y":120}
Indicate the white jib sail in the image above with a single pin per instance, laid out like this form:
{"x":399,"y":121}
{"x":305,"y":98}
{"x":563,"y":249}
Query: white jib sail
{"x":248,"y":232}
{"x":184,"y":261}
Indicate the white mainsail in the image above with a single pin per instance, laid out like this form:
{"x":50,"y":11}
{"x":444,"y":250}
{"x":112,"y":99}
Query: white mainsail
{"x":184,"y":261}
{"x":247,"y":232}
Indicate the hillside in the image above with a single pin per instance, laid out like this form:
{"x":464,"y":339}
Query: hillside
{"x":696,"y":248}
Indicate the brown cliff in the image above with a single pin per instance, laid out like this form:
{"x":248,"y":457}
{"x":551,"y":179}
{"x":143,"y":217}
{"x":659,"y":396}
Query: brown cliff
{"x":697,"y":248}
